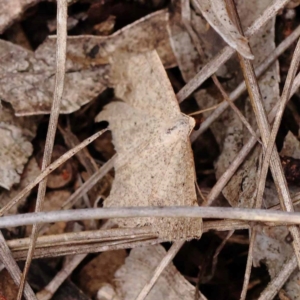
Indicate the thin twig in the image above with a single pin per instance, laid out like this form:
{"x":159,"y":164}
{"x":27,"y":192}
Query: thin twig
{"x":159,"y":269}
{"x":235,"y":109}
{"x":226,"y":176}
{"x":248,"y":265}
{"x":218,"y":251}
{"x":279,"y":280}
{"x":83,"y":237}
{"x":93,"y":248}
{"x":60,"y":277}
{"x":264,"y":128}
{"x":86,"y":237}
{"x":283,"y":101}
{"x":48,"y":170}
{"x":242,"y":86}
{"x":86,"y":186}
{"x":186,"y":19}
{"x":213,"y":65}
{"x":13,"y":269}
{"x":259,"y":215}
{"x":61,"y":46}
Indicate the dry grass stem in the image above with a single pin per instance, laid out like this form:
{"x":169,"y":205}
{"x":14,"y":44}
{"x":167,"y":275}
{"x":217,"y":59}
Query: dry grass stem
{"x":226,"y":176}
{"x":235,"y":109}
{"x":248,"y":265}
{"x":48,"y":170}
{"x":264,"y":128}
{"x":88,"y":237}
{"x":160,"y":268}
{"x":10,"y":264}
{"x":60,"y":277}
{"x":213,"y":65}
{"x":258,"y":215}
{"x":87,"y":185}
{"x":283,"y":101}
{"x":279,"y":280}
{"x":242,"y":86}
{"x":61,"y":46}
{"x":90,"y":248}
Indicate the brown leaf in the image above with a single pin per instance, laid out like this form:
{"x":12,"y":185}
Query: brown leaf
{"x":11,"y":10}
{"x":27,"y":79}
{"x":100,"y":270}
{"x":138,"y":269}
{"x":15,"y":147}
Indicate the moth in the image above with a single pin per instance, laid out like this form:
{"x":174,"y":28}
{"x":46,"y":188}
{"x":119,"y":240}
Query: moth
{"x":154,"y":165}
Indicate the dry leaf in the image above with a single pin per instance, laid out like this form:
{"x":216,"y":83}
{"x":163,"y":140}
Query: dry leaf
{"x":273,"y":244}
{"x":154,"y":166}
{"x":27,"y":79}
{"x":187,"y":57}
{"x":230,"y":133}
{"x":15,"y":147}
{"x":100,"y":270}
{"x":11,"y":10}
{"x":30,"y":172}
{"x":138,"y":269}
{"x":215,"y":13}
{"x":8,"y":289}
{"x":291,"y":146}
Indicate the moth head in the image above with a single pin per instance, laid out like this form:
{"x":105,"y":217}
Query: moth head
{"x":181,"y":127}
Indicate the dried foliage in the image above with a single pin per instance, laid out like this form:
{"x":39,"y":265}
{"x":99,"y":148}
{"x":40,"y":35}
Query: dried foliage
{"x":119,"y":68}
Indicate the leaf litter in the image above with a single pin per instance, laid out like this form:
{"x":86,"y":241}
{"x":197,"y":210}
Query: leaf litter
{"x":154,"y":163}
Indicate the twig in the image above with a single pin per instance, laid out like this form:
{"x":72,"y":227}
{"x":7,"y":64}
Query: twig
{"x":283,"y":101}
{"x":93,"y":248}
{"x":213,"y":65}
{"x":61,"y":46}
{"x":86,"y":186}
{"x":84,"y":157}
{"x":13,"y":269}
{"x":235,"y":109}
{"x":279,"y":280}
{"x":264,"y":128}
{"x":248,"y":265}
{"x":242,"y":86}
{"x":258,"y":215}
{"x":60,"y":277}
{"x":48,"y":170}
{"x":219,"y":249}
{"x":159,"y":269}
{"x":186,"y":19}
{"x":86,"y":237}
{"x":225,"y":177}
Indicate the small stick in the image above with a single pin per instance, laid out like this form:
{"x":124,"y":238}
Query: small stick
{"x":60,"y":277}
{"x":257,"y":215}
{"x":283,"y":101}
{"x":159,"y":269}
{"x":213,"y":65}
{"x":48,"y":170}
{"x":279,"y":280}
{"x":242,"y":86}
{"x":225,"y":177}
{"x":13,"y":269}
{"x":264,"y":128}
{"x":61,"y":47}
{"x":248,"y":265}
